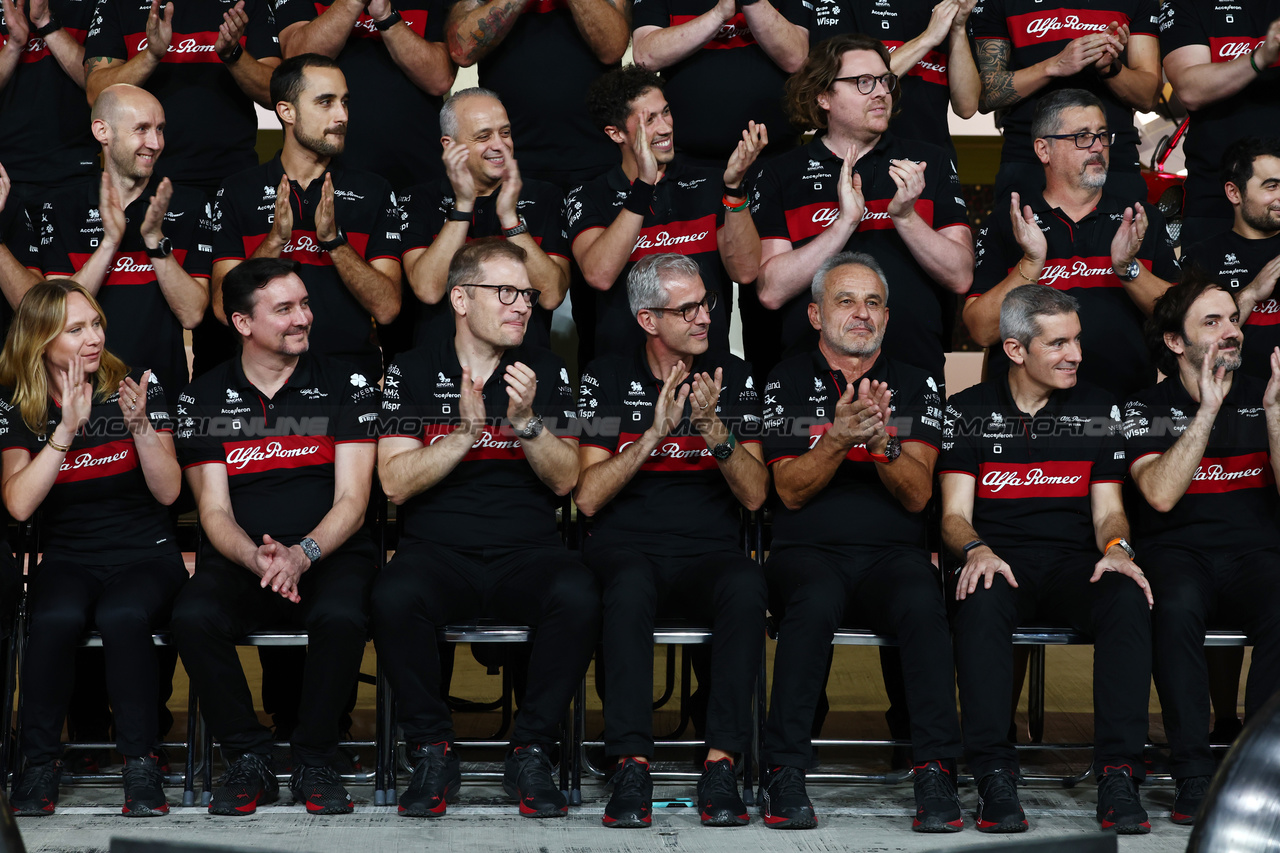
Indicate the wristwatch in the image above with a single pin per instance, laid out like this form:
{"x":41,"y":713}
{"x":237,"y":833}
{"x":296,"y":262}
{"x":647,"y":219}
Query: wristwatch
{"x":311,"y":548}
{"x":724,"y":449}
{"x":1130,"y":272}
{"x":892,"y":450}
{"x":455,"y":215}
{"x":234,"y":56}
{"x":532,"y":429}
{"x":1124,"y":546}
{"x":977,"y":543}
{"x":389,"y":21}
{"x":53,"y":26}
{"x":330,"y":245}
{"x":163,"y":249}
{"x":522,"y":228}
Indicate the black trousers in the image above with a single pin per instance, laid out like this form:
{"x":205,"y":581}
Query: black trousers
{"x":723,"y":589}
{"x":424,"y":588}
{"x":1192,"y":592}
{"x":127,"y":604}
{"x":1054,"y":590}
{"x":893,"y":591}
{"x":224,"y":602}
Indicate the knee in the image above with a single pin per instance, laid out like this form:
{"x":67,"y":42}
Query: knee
{"x":197,"y":616}
{"x":123,"y":620}
{"x":628,"y":583}
{"x":338,"y":617}
{"x":742,"y":589}
{"x":573,"y":590}
{"x":992,"y":609}
{"x":818,"y":601}
{"x":53,"y":617}
{"x":1178,"y":607}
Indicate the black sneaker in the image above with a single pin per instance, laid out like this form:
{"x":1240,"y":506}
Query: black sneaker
{"x":1119,"y":806}
{"x":37,"y":790}
{"x":631,"y":805}
{"x":437,"y":778}
{"x":785,"y":803}
{"x":1186,"y":803}
{"x":527,"y":777}
{"x":247,"y":784}
{"x":937,"y":805}
{"x":144,"y":787}
{"x":719,"y":802}
{"x":321,"y":789}
{"x":998,"y":807}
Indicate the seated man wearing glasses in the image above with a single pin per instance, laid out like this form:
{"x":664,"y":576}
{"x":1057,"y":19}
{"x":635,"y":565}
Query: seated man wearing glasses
{"x":670,"y":453}
{"x":1110,"y":252}
{"x":474,"y":450}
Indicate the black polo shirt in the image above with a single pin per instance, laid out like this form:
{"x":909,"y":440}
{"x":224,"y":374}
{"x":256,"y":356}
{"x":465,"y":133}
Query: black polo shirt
{"x":1078,"y":262}
{"x":381,"y":92}
{"x":727,"y":83}
{"x":685,"y":217}
{"x":1033,"y":473}
{"x":210,"y":124}
{"x":1037,"y":31}
{"x":542,"y":70}
{"x":678,"y":503}
{"x":142,"y":329}
{"x":367,"y":212}
{"x":1231,"y":503}
{"x":278,"y":451}
{"x":18,"y":234}
{"x":1233,"y":261}
{"x":924,"y":93}
{"x":1230,"y":30}
{"x":492,"y":498}
{"x":99,"y":510}
{"x":45,"y":116}
{"x":795,"y":198}
{"x":425,"y":207}
{"x":854,"y":509}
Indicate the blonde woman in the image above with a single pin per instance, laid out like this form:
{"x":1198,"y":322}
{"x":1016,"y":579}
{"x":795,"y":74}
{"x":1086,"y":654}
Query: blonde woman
{"x":78,"y":443}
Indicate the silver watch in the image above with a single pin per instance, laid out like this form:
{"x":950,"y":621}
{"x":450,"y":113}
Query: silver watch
{"x":311,"y":548}
{"x":1126,"y":547}
{"x":532,"y":429}
{"x":1131,"y":272}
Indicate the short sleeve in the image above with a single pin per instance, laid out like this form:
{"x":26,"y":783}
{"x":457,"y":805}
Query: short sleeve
{"x":436,"y":20}
{"x":766,"y":206}
{"x":581,"y":213}
{"x":105,"y":37}
{"x":992,"y":252}
{"x":290,"y":12}
{"x":1109,"y":466}
{"x":199,"y":259}
{"x":599,"y":411}
{"x":195,"y":439}
{"x":798,"y":12}
{"x":1141,"y":436}
{"x":782,"y":436}
{"x":546,"y":222}
{"x":1146,"y":19}
{"x":422,"y":217}
{"x":357,"y":419}
{"x":740,"y":408}
{"x":399,"y":413}
{"x":157,"y":406}
{"x":988,"y":20}
{"x":949,"y":207}
{"x":262,"y":38}
{"x":55,"y":259}
{"x":14,"y":434}
{"x":1157,"y":247}
{"x":1180,"y":25}
{"x":918,"y":417}
{"x":560,"y":412}
{"x":385,"y":233}
{"x":19,"y":236}
{"x":960,"y":428}
{"x":650,"y":13}
{"x":228,"y":239}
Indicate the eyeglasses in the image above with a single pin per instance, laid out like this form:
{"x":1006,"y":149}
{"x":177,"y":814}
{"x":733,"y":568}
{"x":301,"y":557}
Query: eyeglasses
{"x":867,"y":82}
{"x":689,"y":312}
{"x":507,"y":294}
{"x":1085,"y":139}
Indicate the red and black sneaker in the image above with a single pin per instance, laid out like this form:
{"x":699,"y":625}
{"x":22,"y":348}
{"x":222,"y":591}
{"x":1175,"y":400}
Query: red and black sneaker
{"x":1119,"y":806}
{"x":527,"y":778}
{"x":1190,"y":794}
{"x":320,"y":789}
{"x":937,"y":805}
{"x":144,"y":787}
{"x":437,"y":778}
{"x":999,"y":809}
{"x":37,"y":790}
{"x":719,"y":802}
{"x":247,"y":784}
{"x":785,"y":803}
{"x":631,"y":804}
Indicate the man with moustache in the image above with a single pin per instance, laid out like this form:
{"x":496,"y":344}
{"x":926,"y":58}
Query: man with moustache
{"x":1204,"y":446}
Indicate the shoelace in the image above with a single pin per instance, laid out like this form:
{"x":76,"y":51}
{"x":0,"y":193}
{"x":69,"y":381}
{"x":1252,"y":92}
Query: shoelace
{"x":719,"y":779}
{"x":534,"y":768}
{"x":38,"y":776}
{"x":1001,"y":788}
{"x":630,"y":780}
{"x":140,"y":771}
{"x":248,"y":768}
{"x":430,"y":766}
{"x":1119,"y":787}
{"x":315,"y":776}
{"x":932,"y":784}
{"x":1195,"y":787}
{"x":787,"y":782}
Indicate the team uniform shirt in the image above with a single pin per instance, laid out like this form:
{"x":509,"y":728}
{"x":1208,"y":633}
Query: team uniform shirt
{"x":795,"y":198}
{"x":685,"y":217}
{"x":18,"y":235}
{"x":425,"y":208}
{"x":1038,"y":31}
{"x":99,"y":510}
{"x":854,"y":508}
{"x":44,"y":114}
{"x":493,"y":497}
{"x":924,"y":92}
{"x":142,"y":329}
{"x":1231,"y":503}
{"x":380,"y":90}
{"x":679,"y":502}
{"x":367,"y":213}
{"x":1033,"y":473}
{"x":278,"y":451}
{"x":1233,"y":261}
{"x":726,"y":83}
{"x":542,"y":70}
{"x":1078,"y":262}
{"x":1230,"y":30}
{"x":210,"y":124}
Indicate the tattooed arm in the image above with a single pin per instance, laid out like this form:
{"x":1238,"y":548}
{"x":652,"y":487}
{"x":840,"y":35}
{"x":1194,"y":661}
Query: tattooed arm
{"x":1003,"y":88}
{"x":476,"y":27}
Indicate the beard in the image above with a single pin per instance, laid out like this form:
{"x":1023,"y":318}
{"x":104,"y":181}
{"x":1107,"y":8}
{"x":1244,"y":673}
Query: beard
{"x":864,"y":349}
{"x":1265,"y":219}
{"x":1229,"y":359}
{"x":323,"y":144}
{"x":1093,"y":180}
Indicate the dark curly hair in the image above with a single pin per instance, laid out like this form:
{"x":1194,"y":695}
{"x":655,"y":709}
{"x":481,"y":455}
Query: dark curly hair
{"x":1170,"y":315}
{"x":1237,"y":160}
{"x":820,"y":69}
{"x":610,"y":97}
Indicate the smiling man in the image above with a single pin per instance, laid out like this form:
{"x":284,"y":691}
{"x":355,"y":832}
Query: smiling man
{"x":1031,"y":472}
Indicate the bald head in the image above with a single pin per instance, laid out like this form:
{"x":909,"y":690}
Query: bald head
{"x":122,"y":96}
{"x":128,"y":123}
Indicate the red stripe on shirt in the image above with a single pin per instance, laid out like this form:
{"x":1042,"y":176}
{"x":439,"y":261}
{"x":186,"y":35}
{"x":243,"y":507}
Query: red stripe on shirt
{"x":932,"y":67}
{"x":183,"y":47}
{"x":1053,"y":25}
{"x":1070,"y":273}
{"x":1227,"y":48}
{"x":127,"y":267}
{"x":304,"y":247}
{"x":1220,"y":474}
{"x":105,"y":460}
{"x":490,"y":445}
{"x":675,"y":453}
{"x":277,"y":452}
{"x":1006,"y":480}
{"x":733,"y":33}
{"x":691,"y":237}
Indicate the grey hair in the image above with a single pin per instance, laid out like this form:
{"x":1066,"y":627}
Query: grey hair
{"x":646,"y":283}
{"x":855,"y":259}
{"x":1047,"y":118}
{"x":449,"y":111}
{"x":1024,"y":304}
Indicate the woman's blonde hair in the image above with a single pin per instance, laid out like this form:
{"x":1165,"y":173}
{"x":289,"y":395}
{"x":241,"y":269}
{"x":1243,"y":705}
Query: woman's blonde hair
{"x":40,"y":318}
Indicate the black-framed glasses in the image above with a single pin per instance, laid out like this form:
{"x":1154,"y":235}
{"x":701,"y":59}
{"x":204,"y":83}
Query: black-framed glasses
{"x":867,"y":82}
{"x":689,"y":311}
{"x":507,"y":294}
{"x":1085,"y":138}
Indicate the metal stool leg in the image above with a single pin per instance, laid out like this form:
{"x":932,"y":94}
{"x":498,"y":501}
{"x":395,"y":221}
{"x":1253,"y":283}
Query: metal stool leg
{"x":1035,"y":695}
{"x":193,"y":727}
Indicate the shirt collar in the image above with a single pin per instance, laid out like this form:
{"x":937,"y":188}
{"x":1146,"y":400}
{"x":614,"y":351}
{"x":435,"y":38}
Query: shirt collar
{"x":447,"y":359}
{"x":1057,"y":399}
{"x":300,"y":377}
{"x":823,"y":370}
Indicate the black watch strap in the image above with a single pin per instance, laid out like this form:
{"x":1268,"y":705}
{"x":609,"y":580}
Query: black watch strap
{"x":234,"y":56}
{"x":330,"y":245}
{"x":163,"y":249}
{"x":388,"y":22}
{"x":53,"y":26}
{"x":455,"y":215}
